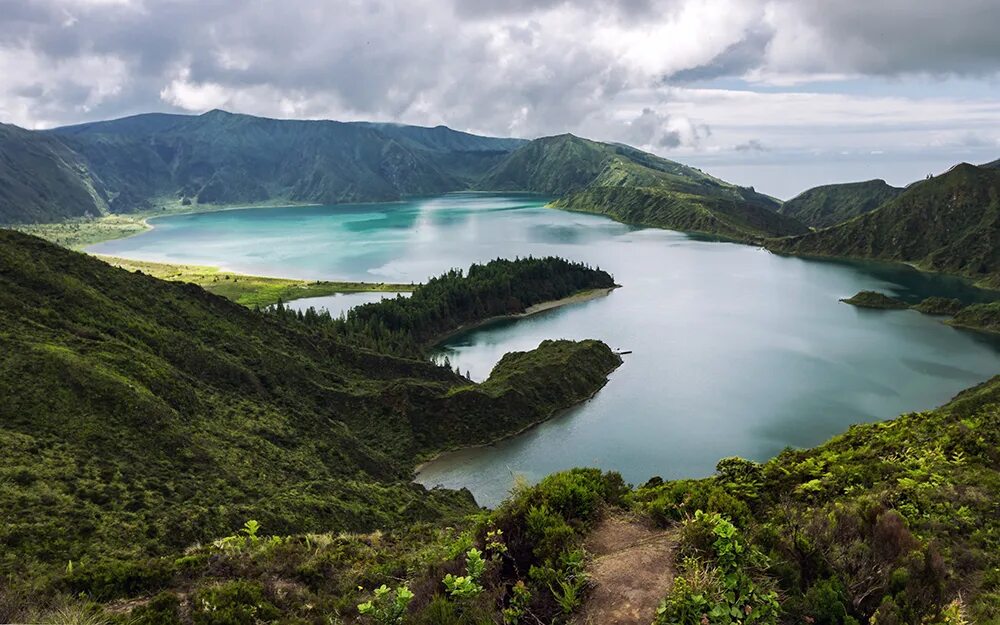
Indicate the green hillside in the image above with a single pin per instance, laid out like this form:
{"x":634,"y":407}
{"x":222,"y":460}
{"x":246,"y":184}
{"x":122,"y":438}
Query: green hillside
{"x":220,"y":158}
{"x":42,"y":180}
{"x":825,"y":206}
{"x":152,"y":161}
{"x":639,"y":188}
{"x":947,"y":223}
{"x":141,"y":416}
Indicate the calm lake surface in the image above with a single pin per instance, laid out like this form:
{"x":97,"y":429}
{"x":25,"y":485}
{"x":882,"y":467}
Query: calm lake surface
{"x":735,"y":351}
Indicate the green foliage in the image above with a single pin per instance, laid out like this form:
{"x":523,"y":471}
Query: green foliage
{"x":635,"y":187}
{"x":828,"y":205}
{"x":467,"y":586}
{"x":874,"y":299}
{"x":132,"y":405}
{"x":726,"y":587}
{"x":232,"y":603}
{"x":112,"y":579}
{"x":517,"y":607}
{"x":939,"y":306}
{"x":386,"y":607}
{"x":163,"y":609}
{"x":979,"y":316}
{"x":408,"y":325}
{"x":941,"y":224}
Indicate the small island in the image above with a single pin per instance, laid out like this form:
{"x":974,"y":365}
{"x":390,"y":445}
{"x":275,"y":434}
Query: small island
{"x":874,"y":299}
{"x":939,"y":306}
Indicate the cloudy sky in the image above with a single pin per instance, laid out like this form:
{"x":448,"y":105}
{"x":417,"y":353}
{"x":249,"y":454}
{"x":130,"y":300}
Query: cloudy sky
{"x":780,"y":94}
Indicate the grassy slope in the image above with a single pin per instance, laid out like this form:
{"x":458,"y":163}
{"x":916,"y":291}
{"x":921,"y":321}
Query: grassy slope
{"x":897,"y":520}
{"x":140,"y":416}
{"x":828,"y":205}
{"x":636,"y":187}
{"x":949,"y":223}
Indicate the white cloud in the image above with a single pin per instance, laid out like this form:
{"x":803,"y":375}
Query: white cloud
{"x":625,"y":70}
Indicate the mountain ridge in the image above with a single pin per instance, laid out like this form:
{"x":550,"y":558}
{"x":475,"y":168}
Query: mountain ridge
{"x":950,"y":223}
{"x":828,"y":205}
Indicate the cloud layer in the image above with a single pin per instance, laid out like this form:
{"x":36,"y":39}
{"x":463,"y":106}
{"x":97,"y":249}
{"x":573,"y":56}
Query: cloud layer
{"x":701,"y":79}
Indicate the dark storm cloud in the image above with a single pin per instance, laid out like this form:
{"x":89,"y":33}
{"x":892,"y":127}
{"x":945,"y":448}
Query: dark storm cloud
{"x":740,"y":57}
{"x":899,"y":36}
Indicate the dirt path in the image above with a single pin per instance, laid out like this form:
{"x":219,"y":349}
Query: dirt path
{"x":632,"y":569}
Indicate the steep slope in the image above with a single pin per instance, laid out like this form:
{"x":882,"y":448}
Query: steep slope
{"x":821,"y":207}
{"x":42,"y":179}
{"x":948,"y":223}
{"x":635,"y":187}
{"x":140,"y":416}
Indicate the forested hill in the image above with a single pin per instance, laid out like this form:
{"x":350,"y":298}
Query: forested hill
{"x":950,"y":222}
{"x":825,"y":206}
{"x":640,"y":188}
{"x":141,"y":416}
{"x":218,"y":158}
{"x":406,"y":326}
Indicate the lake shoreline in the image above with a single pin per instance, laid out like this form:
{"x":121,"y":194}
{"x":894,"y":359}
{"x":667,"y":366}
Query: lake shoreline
{"x":553,"y":415}
{"x":576,"y":298}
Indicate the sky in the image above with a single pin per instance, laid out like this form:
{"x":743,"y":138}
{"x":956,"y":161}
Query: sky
{"x":778,"y":94}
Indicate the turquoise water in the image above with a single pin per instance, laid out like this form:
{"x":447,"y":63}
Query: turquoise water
{"x":735,"y":351}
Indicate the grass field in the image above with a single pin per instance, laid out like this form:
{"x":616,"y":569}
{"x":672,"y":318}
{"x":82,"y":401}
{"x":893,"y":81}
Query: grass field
{"x":250,"y":290}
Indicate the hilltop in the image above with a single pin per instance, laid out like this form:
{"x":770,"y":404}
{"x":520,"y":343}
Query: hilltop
{"x":828,"y":205}
{"x":949,"y":223}
{"x":638,"y":188}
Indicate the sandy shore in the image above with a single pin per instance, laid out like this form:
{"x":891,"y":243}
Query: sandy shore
{"x":576,"y":298}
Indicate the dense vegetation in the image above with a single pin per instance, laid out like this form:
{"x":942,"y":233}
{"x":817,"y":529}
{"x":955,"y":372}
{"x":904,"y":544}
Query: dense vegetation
{"x":947,"y":223}
{"x":897,"y":522}
{"x":408,"y":325}
{"x":141,"y":416}
{"x":979,"y":316}
{"x":889,"y":523}
{"x":639,"y":188}
{"x":939,"y":306}
{"x":828,"y":205}
{"x":874,"y":299}
{"x":218,"y":158}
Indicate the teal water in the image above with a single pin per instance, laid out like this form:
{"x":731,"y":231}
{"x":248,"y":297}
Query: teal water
{"x":735,"y":351}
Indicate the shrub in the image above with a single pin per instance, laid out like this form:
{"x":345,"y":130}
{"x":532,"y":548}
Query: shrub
{"x":232,"y":603}
{"x":723,"y":588}
{"x":386,"y":607}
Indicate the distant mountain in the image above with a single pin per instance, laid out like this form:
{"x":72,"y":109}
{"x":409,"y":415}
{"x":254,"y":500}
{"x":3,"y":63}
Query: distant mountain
{"x":994,"y":165}
{"x":223,"y":158}
{"x":950,"y":222}
{"x":43,"y":180}
{"x":636,"y":187}
{"x":821,"y":207}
